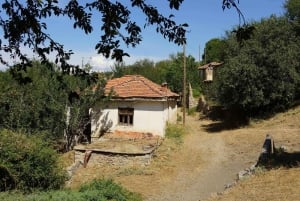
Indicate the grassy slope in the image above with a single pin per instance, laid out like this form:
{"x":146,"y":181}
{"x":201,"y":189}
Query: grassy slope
{"x":277,"y":184}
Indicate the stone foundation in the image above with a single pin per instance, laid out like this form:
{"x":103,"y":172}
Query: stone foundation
{"x":99,"y":158}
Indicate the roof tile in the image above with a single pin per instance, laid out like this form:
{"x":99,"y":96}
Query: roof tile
{"x":137,"y":86}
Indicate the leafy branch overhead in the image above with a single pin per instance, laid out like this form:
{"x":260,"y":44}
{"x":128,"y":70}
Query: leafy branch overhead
{"x":23,"y":24}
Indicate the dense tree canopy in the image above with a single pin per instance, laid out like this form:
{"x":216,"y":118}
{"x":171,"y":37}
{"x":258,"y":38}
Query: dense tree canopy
{"x":214,"y":51}
{"x":262,"y":74}
{"x":35,"y":99}
{"x":293,"y":13}
{"x":23,"y":24}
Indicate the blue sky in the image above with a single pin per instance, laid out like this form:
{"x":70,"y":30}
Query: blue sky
{"x":206,"y":20}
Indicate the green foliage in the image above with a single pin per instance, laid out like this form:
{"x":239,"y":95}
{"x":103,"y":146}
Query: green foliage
{"x":28,"y":26}
{"x":35,"y":100}
{"x":169,"y":71}
{"x":293,"y":13}
{"x":7,"y":181}
{"x":142,"y":67}
{"x":108,"y":190}
{"x":192,"y":111}
{"x":175,"y":132}
{"x":261,"y":75}
{"x":102,"y":190}
{"x":292,"y":9}
{"x":214,"y":51}
{"x":196,"y":92}
{"x":30,"y":161}
{"x":179,"y":118}
{"x":36,"y":104}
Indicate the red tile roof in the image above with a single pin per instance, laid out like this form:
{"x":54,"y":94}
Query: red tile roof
{"x":137,"y":86}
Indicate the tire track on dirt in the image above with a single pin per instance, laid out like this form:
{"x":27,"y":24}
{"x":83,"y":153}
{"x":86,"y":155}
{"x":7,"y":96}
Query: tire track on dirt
{"x":204,"y":169}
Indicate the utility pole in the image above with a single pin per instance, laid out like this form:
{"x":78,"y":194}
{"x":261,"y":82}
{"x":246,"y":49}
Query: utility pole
{"x":204,"y":55}
{"x":184,"y":86}
{"x":199,"y":55}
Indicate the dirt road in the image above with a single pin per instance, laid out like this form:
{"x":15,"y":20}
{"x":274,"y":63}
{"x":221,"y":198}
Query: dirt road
{"x":206,"y":165}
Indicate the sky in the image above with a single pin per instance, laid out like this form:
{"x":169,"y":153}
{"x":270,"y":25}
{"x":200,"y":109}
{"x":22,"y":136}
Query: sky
{"x":206,"y":20}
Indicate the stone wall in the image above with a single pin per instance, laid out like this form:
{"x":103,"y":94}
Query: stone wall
{"x":116,"y":159}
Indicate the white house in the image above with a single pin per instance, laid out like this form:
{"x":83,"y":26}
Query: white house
{"x":136,"y":105}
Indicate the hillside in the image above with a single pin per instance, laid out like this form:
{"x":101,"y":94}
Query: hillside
{"x":281,"y":183}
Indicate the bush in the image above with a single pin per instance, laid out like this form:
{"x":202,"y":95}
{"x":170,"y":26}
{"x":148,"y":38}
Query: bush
{"x":196,"y":93}
{"x":107,"y":190}
{"x":102,"y":190}
{"x":33,"y":164}
{"x":192,"y":111}
{"x":7,"y":181}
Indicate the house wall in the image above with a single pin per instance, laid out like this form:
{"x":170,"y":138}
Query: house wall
{"x":170,"y":111}
{"x":149,"y":116}
{"x":209,"y":74}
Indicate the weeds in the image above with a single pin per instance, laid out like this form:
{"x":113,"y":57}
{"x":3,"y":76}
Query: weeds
{"x":175,"y":132}
{"x":192,"y":111}
{"x":133,"y":171}
{"x":103,"y":190}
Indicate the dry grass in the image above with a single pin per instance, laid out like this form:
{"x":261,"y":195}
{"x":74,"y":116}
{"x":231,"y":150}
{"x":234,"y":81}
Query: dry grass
{"x":67,"y":159}
{"x":275,"y":185}
{"x":279,"y":184}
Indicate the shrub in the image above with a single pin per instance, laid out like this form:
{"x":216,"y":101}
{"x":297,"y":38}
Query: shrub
{"x":107,"y":190}
{"x":175,"y":132}
{"x":33,"y":164}
{"x":192,"y":111}
{"x":102,"y":190}
{"x":196,"y":93}
{"x":7,"y":181}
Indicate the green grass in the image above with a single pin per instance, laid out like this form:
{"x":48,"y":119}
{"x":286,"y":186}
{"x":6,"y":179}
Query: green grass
{"x":192,"y":111}
{"x":134,"y":171}
{"x":97,"y":190}
{"x":175,"y":132}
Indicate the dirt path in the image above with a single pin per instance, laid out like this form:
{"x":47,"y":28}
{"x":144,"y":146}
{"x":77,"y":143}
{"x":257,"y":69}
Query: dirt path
{"x":206,"y":166}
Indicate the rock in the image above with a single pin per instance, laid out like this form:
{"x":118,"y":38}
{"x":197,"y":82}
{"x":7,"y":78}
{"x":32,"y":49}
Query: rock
{"x":252,"y":168}
{"x":229,"y":185}
{"x":242,"y":174}
{"x":283,"y":148}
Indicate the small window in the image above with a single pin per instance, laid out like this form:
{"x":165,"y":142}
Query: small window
{"x":126,"y":116}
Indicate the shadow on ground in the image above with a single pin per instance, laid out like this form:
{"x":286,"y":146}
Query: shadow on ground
{"x":280,"y":159}
{"x":225,"y":119}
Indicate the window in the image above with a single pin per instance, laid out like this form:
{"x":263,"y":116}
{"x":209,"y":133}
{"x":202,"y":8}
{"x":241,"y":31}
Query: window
{"x":126,"y":116}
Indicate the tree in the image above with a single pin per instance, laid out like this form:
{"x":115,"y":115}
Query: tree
{"x":35,"y":99}
{"x":173,"y":75}
{"x":23,"y":24}
{"x":214,"y":51}
{"x":293,"y":13}
{"x":261,"y":75}
{"x":292,"y":9}
{"x":32,"y":100}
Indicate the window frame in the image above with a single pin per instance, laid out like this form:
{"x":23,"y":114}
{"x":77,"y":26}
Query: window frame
{"x":125,"y":116}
